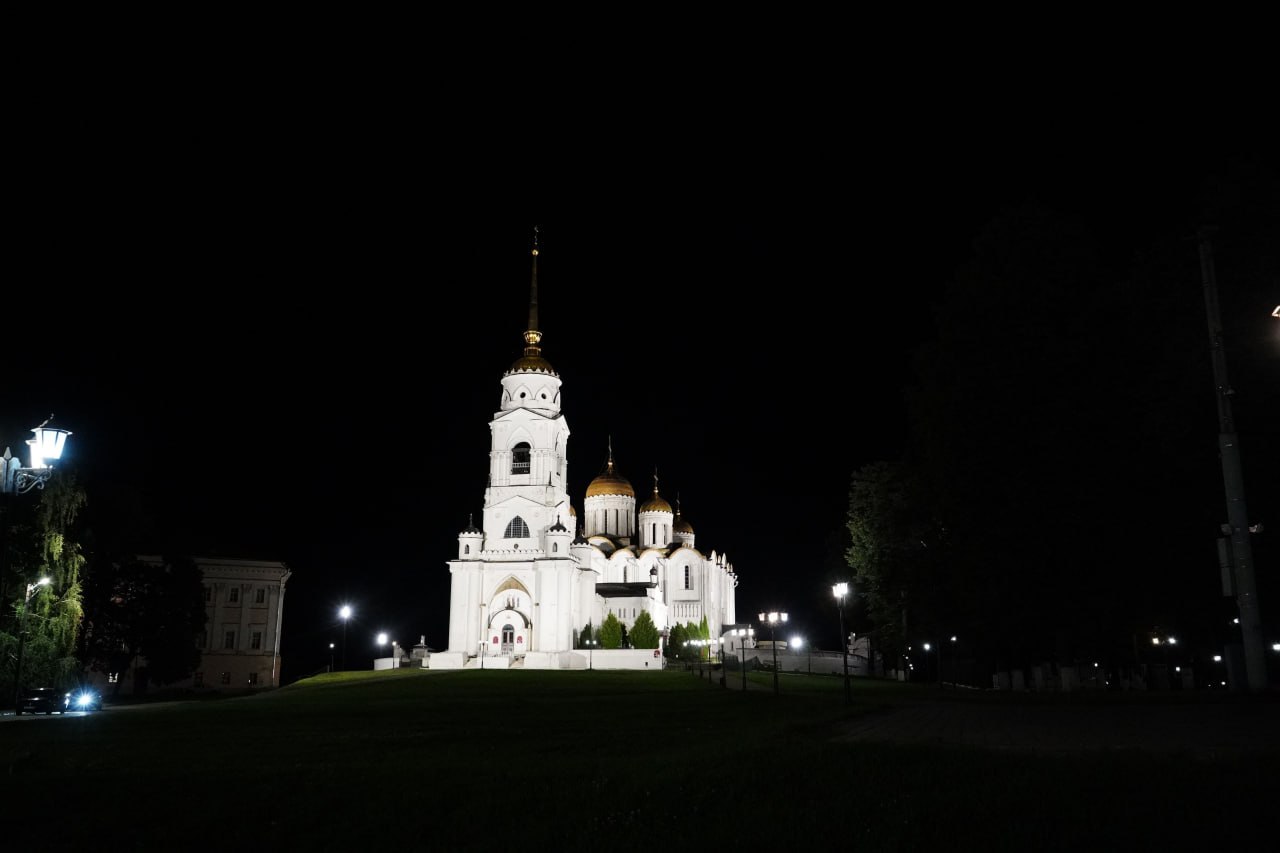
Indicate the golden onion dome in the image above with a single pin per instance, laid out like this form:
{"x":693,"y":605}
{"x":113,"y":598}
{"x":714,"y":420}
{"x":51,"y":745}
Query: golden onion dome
{"x":655,"y":504}
{"x":682,"y":526}
{"x":610,"y":482}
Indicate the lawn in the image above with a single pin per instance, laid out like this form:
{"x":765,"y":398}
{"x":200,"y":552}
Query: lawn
{"x":593,"y":761}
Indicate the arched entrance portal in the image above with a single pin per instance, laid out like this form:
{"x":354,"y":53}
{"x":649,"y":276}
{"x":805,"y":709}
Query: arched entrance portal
{"x":508,"y":638}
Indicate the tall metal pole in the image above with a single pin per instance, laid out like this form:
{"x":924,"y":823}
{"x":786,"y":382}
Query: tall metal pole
{"x":773,"y":637}
{"x":1246,"y":590}
{"x":844,"y":647}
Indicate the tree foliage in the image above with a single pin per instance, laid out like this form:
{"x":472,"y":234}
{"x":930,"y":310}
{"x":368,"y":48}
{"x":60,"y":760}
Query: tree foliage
{"x":611,"y":633}
{"x":143,"y":610}
{"x":44,"y":544}
{"x":582,"y":638}
{"x":644,"y":634}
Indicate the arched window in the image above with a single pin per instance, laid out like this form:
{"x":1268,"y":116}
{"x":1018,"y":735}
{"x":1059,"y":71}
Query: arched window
{"x":520,"y":458}
{"x":555,"y":547}
{"x":517,"y":529}
{"x":466,"y":549}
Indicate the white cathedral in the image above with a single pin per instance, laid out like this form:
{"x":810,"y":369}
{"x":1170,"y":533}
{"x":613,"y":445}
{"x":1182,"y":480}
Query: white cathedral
{"x":535,"y":573}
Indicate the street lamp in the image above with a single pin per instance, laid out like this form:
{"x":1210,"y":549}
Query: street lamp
{"x":841,"y":590}
{"x":482,"y":645}
{"x":22,"y":639}
{"x":46,"y":447}
{"x":331,"y":657}
{"x":954,"y":676}
{"x":591,"y":651}
{"x":382,"y":638}
{"x":345,"y":613}
{"x":798,"y":642}
{"x":773,"y":619}
{"x":927,"y":647}
{"x":744,"y":635}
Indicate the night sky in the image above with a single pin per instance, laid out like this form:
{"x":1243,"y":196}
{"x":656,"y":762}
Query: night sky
{"x":278,"y":369}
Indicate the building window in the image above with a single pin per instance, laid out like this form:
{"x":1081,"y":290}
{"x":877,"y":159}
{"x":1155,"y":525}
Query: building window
{"x":234,"y":596}
{"x":197,"y":679}
{"x":466,"y":549}
{"x":261,"y":596}
{"x":653,"y":532}
{"x":208,"y":594}
{"x":517,"y":529}
{"x":255,"y":640}
{"x":555,"y":547}
{"x":688,"y":581}
{"x":229,"y":640}
{"x":253,"y":679}
{"x":520,"y":458}
{"x":225,"y":678}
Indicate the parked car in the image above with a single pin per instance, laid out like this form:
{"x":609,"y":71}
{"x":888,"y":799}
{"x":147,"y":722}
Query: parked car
{"x":42,"y":700}
{"x":83,"y":699}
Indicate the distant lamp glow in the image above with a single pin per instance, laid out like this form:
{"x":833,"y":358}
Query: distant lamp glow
{"x":1173,"y":641}
{"x":1235,"y":621}
{"x":1276,"y":313}
{"x":1155,"y":641}
{"x":345,"y":612}
{"x":797,"y":642}
{"x":927,"y":647}
{"x":43,"y":582}
{"x":1275,"y":647}
{"x":1217,"y":658}
{"x":382,"y":639}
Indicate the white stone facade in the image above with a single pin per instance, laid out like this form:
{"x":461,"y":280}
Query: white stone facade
{"x":523,"y":584}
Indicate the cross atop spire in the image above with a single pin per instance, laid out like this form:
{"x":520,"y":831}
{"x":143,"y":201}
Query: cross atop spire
{"x":610,"y":454}
{"x":655,"y":480}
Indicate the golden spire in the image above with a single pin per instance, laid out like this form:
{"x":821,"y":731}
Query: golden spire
{"x":610,"y":469}
{"x":532,"y":337}
{"x":655,"y":481}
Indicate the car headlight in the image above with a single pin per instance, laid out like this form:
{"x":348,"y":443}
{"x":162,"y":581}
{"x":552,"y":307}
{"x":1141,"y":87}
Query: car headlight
{"x":84,"y":700}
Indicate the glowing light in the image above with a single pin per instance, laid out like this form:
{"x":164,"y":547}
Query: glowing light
{"x":1217,"y":658}
{"x":840,"y":590}
{"x":1155,"y":641}
{"x":1276,"y":313}
{"x":1173,"y":641}
{"x":382,"y":639}
{"x":1275,"y":647}
{"x":1177,"y":669}
{"x":953,"y":638}
{"x":345,"y":612}
{"x":927,"y":647}
{"x":798,"y":642}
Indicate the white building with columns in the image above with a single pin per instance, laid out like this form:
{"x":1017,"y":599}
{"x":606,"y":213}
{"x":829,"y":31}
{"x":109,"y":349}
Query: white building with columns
{"x":531,"y":576}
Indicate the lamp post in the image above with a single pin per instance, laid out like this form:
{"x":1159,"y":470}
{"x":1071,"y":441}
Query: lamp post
{"x":22,"y":640}
{"x":927,"y":648}
{"x":798,"y":642}
{"x":331,"y":657}
{"x":743,"y":634}
{"x":841,"y":590}
{"x":591,"y":651}
{"x":773,"y":619}
{"x":482,"y":645}
{"x":954,"y":675}
{"x":345,"y":613}
{"x":46,"y":447}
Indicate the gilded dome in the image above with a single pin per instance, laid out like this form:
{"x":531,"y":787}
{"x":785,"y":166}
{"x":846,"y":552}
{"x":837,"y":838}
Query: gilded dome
{"x":532,"y":364}
{"x":610,"y":483}
{"x":655,"y":504}
{"x":682,"y":526}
